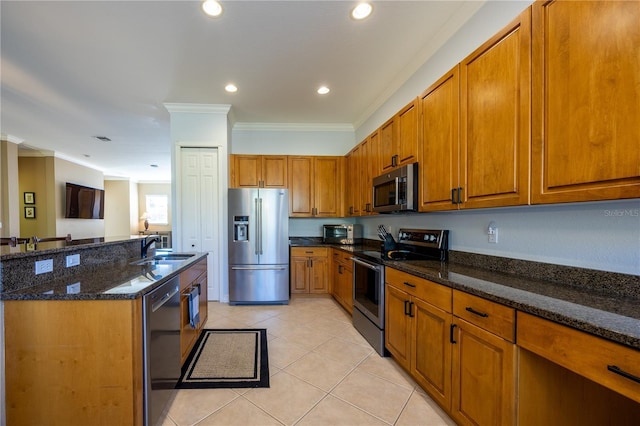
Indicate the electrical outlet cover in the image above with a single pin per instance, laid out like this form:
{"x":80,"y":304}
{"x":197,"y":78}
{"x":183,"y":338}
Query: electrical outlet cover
{"x":44,"y":266}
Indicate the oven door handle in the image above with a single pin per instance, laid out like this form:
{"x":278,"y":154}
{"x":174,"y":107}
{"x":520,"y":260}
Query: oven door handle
{"x":365,"y":264}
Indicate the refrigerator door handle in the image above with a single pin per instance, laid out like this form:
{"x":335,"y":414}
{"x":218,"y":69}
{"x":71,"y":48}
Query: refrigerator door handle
{"x":258,"y":268}
{"x":257,"y":236}
{"x":260,"y":223}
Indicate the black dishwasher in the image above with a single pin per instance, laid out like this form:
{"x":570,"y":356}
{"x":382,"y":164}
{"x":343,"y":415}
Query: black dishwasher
{"x":161,"y":321}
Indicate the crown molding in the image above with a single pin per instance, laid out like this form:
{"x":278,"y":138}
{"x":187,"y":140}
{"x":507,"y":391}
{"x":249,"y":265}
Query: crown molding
{"x":295,"y":127}
{"x":198,"y":108}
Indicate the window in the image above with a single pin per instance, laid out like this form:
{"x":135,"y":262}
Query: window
{"x":157,"y":209}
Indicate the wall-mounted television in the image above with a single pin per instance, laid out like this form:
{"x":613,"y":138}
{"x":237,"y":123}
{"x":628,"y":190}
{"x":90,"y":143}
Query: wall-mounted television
{"x":83,"y":202}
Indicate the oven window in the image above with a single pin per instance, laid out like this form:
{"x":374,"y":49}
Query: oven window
{"x":367,"y":289}
{"x":337,"y":232}
{"x":385,"y":194}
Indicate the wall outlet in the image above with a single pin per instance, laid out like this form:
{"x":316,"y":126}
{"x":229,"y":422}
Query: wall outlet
{"x":492,"y":231}
{"x":73,"y":288}
{"x":43,"y":266}
{"x":73,"y":260}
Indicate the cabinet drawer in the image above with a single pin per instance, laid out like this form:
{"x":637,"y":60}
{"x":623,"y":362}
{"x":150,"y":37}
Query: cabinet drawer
{"x":491,"y":316}
{"x":433,"y":293}
{"x":342,"y":257}
{"x":309,"y":251}
{"x":584,"y":354}
{"x":192,"y":273}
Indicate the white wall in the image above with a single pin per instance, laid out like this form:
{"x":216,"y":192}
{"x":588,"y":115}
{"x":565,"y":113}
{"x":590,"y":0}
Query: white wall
{"x":292,"y":140}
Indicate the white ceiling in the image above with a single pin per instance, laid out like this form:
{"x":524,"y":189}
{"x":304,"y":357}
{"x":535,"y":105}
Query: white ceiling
{"x":72,"y":70}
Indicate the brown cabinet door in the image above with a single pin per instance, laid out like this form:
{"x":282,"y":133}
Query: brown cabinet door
{"x":495,"y":114}
{"x":328,"y":188}
{"x":407,"y":120}
{"x":346,"y":287}
{"x":247,"y":171}
{"x":355,"y":180}
{"x":388,"y":146}
{"x":439,"y":149}
{"x":299,"y":274}
{"x":374,"y":169}
{"x":300,"y":186}
{"x":188,"y":335}
{"x":274,"y":171}
{"x":398,"y":325}
{"x":586,"y":103}
{"x":431,"y":355}
{"x":483,"y":389}
{"x":203,"y":299}
{"x":319,"y":275}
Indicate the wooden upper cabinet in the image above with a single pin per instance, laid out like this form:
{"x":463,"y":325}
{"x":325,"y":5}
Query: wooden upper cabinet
{"x":495,"y":116}
{"x":258,"y":171}
{"x":300,"y":186}
{"x":586,"y":101}
{"x":399,"y":139}
{"x":328,"y":186}
{"x":315,"y":186}
{"x":439,"y":147}
{"x":388,"y":149}
{"x":407,"y":122}
{"x":354,"y":173}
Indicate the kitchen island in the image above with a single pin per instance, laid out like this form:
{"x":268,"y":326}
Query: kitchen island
{"x":74,"y":343}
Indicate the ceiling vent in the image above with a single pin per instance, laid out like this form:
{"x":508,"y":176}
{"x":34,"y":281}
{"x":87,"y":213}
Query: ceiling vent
{"x":103,"y":138}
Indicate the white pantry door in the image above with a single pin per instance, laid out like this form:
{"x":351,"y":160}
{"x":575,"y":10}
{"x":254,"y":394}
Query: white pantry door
{"x":200,"y":208}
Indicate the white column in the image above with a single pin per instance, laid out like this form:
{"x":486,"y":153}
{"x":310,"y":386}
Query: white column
{"x":202,"y":126}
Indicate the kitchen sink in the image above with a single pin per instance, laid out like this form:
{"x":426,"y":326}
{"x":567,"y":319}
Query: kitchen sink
{"x":168,"y":258}
{"x":173,"y":256}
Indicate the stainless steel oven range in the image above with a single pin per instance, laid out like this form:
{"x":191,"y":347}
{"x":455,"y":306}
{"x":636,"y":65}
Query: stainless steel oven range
{"x":368,"y":277}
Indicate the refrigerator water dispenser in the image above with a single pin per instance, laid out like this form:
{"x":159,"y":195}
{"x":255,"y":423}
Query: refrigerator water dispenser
{"x":240,"y":228}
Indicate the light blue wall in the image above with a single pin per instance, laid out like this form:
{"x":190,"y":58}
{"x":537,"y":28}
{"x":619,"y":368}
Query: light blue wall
{"x":603,"y":235}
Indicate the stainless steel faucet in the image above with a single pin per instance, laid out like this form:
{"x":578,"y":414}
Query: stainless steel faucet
{"x":147,"y":242}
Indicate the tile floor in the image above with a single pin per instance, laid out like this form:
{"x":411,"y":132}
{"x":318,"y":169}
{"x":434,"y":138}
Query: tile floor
{"x":322,"y":372}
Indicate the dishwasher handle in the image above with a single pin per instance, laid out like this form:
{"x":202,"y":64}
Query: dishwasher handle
{"x":366,"y":264}
{"x":165,"y":297}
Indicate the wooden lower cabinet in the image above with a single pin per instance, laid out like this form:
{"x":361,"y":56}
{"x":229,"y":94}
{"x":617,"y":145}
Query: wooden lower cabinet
{"x":484,"y":373}
{"x":309,"y":269}
{"x":562,"y":383}
{"x":194,"y":277}
{"x":342,"y":279}
{"x":484,"y":361}
{"x":417,"y":331}
{"x":73,"y":362}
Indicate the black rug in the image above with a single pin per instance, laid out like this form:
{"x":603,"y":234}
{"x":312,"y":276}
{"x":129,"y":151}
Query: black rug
{"x":235,"y":358}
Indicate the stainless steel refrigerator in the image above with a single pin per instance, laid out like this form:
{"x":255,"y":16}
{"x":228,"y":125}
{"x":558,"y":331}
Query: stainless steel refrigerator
{"x":258,"y":246}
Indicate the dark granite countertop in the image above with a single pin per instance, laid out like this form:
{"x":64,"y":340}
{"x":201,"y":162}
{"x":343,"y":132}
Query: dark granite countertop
{"x":113,"y":281}
{"x":594,"y":309}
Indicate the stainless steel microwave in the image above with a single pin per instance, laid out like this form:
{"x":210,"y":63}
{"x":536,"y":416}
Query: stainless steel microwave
{"x":397,"y":190}
{"x":342,"y":234}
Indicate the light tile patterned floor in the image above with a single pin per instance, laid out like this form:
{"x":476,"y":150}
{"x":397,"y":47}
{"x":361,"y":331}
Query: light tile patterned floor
{"x":322,"y":373}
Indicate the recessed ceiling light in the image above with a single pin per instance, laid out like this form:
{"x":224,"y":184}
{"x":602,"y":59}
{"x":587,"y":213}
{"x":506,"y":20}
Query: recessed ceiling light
{"x":361,"y":11}
{"x":212,"y":7}
{"x":323,"y":90}
{"x":231,"y":88}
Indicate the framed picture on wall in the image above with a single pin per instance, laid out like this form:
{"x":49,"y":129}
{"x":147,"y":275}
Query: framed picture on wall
{"x":29,"y":197}
{"x":30,"y":212}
